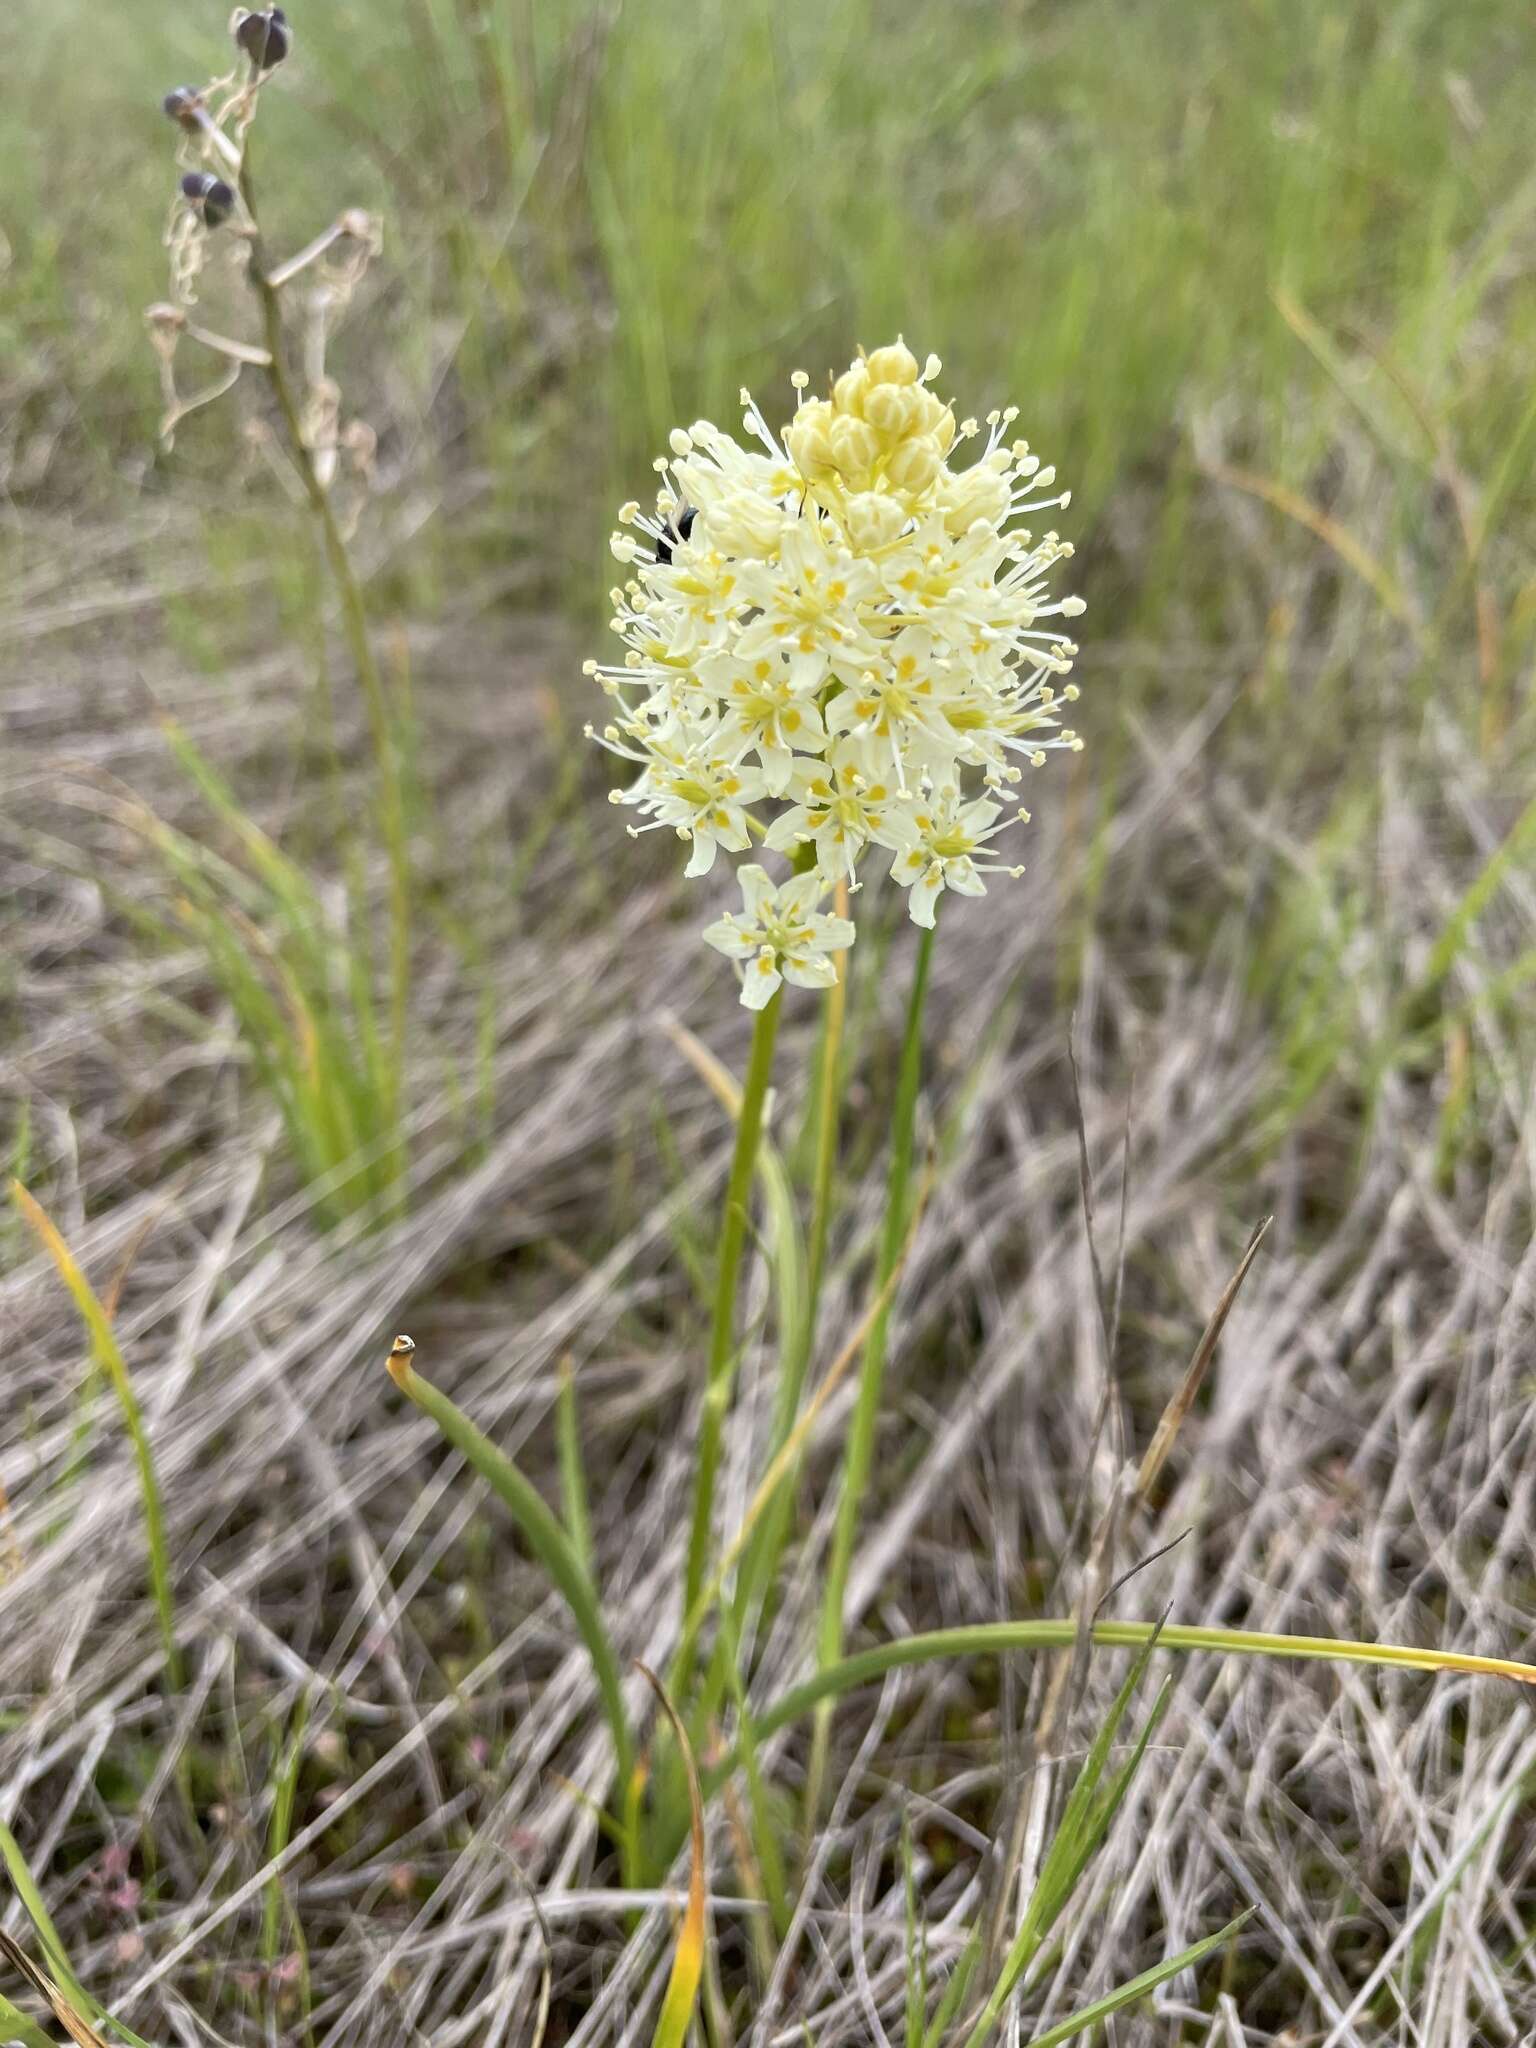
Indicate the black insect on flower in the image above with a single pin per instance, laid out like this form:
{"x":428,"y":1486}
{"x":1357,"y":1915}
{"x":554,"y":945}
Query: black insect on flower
{"x":264,"y":36}
{"x":208,"y":196}
{"x":185,"y":105}
{"x":675,"y":532}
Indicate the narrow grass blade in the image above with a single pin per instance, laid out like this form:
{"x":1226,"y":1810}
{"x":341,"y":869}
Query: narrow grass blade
{"x":1174,"y":1415}
{"x":688,"y":1958}
{"x":547,"y":1539}
{"x":109,"y":1357}
{"x":284,"y":1793}
{"x":1128,"y":1994}
{"x":916,"y":1945}
{"x":997,"y":1638}
{"x":68,"y":1986}
{"x":573,"y":1478}
{"x":15,"y":2026}
{"x":1091,"y":1806}
{"x":1328,"y":530}
{"x":78,"y":2028}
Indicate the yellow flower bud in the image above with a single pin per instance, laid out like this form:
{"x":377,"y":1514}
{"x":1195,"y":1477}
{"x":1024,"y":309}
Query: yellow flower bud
{"x":854,"y":445}
{"x":895,"y":410}
{"x":976,"y":493}
{"x":915,"y":464}
{"x":936,"y":418}
{"x":848,"y":392}
{"x":808,"y":441}
{"x":746,"y":523}
{"x":893,"y":365}
{"x":872,"y":518}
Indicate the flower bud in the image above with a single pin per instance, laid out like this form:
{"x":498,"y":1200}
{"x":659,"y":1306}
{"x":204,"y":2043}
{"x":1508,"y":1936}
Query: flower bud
{"x":872,"y":518}
{"x":854,"y":445}
{"x":976,"y":493}
{"x":914,"y":465}
{"x":932,"y":416}
{"x":849,"y":391}
{"x":806,"y":438}
{"x":208,"y":196}
{"x":895,"y":410}
{"x":265,"y":37}
{"x":745,"y":523}
{"x":893,"y":365}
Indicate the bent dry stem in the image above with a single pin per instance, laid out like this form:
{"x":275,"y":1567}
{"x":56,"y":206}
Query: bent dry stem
{"x":354,"y":623}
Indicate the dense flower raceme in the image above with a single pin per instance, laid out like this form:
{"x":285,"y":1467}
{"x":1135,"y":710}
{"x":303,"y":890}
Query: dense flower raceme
{"x":839,"y":641}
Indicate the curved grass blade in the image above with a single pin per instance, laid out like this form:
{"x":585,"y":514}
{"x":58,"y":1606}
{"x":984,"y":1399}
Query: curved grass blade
{"x":541,"y":1526}
{"x":996,"y":1638}
{"x":77,"y":2028}
{"x":15,"y":2026}
{"x":1127,"y":1994}
{"x":68,"y":1995}
{"x":109,"y":1357}
{"x":688,"y":1958}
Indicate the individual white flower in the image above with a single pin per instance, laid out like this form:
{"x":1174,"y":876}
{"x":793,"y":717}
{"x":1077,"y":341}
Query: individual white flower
{"x":780,"y":935}
{"x":837,"y":805}
{"x":899,"y":703}
{"x":763,"y":710}
{"x":692,"y":784}
{"x":844,"y":634}
{"x":936,"y":845}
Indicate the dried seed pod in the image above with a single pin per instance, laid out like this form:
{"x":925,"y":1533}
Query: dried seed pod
{"x":264,"y":36}
{"x":184,"y":104}
{"x":209,"y":196}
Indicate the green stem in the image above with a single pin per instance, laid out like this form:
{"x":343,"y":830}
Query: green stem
{"x":548,"y":1540}
{"x":722,"y":1338}
{"x":762,"y":1562}
{"x":859,"y":1454}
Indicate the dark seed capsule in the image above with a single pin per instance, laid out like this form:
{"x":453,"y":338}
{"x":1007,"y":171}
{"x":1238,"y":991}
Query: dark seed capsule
{"x":210,"y":195}
{"x":265,"y":37}
{"x":183,"y":105}
{"x":675,"y":532}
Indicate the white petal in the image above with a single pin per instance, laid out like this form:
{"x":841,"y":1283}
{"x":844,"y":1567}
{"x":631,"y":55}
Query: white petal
{"x":784,"y":833}
{"x":778,"y":766}
{"x":756,"y":887}
{"x":730,"y":939}
{"x":760,"y":977}
{"x":799,"y":896}
{"x":924,"y":900}
{"x":809,"y":970}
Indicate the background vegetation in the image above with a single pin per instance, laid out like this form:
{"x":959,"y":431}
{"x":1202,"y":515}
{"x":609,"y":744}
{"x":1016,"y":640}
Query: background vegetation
{"x":1261,"y":279}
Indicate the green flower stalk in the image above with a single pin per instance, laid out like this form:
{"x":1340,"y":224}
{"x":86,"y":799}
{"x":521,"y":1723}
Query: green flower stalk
{"x":837,"y":639}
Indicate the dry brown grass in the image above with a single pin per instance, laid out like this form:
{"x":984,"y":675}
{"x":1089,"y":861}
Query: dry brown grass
{"x":1361,"y":1462}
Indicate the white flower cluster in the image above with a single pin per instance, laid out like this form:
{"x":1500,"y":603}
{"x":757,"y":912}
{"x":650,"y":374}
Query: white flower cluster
{"x":842,"y":640}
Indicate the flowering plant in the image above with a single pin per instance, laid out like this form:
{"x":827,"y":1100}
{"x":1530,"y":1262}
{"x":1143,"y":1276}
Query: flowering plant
{"x":840,"y":640}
